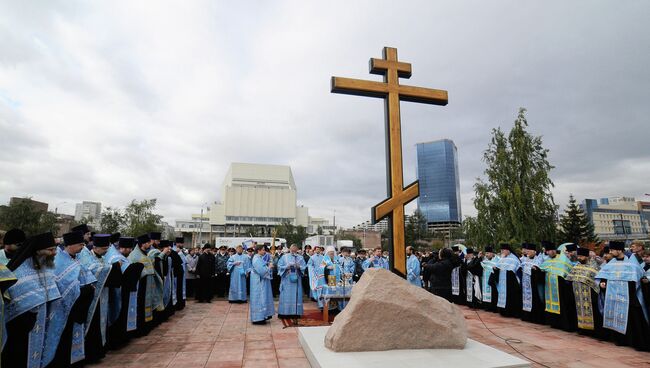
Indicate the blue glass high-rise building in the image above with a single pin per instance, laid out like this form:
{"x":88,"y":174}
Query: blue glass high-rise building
{"x":437,"y":172}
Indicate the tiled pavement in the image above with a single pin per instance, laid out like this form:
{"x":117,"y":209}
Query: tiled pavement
{"x":220,"y":335}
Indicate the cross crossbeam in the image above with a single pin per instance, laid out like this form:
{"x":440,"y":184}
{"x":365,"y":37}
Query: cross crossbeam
{"x":393,"y":93}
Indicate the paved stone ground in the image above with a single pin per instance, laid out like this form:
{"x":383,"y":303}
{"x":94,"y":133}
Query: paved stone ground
{"x":219,"y":335}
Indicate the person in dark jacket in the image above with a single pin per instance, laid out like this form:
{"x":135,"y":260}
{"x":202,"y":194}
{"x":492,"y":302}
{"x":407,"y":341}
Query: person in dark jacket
{"x":440,"y":274}
{"x":205,"y":269}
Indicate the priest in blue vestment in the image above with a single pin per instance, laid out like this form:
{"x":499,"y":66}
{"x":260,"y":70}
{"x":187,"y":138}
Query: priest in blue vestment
{"x":146,"y":301}
{"x":376,"y":261}
{"x":64,"y":340}
{"x":158,"y":259}
{"x":261,"y":308}
{"x":330,"y":274}
{"x":413,"y":268}
{"x":291,"y":267}
{"x":239,"y":266}
{"x":127,"y":298}
{"x":488,"y":290}
{"x":508,"y":287}
{"x":180,"y":267}
{"x":624,"y":310}
{"x":107,"y":275}
{"x":312,"y":268}
{"x":30,"y":304}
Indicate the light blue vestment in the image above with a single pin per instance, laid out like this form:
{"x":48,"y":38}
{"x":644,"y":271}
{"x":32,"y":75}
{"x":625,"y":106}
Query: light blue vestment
{"x":314,"y":284}
{"x":527,"y":288}
{"x":138,"y":256}
{"x":238,"y":265}
{"x":488,"y":268}
{"x":3,"y":257}
{"x":158,"y":284}
{"x":70,"y":276}
{"x":413,"y":270}
{"x":617,"y":298}
{"x":34,"y":291}
{"x":112,"y":256}
{"x":291,"y":267}
{"x":261,"y":307}
{"x":334,"y":269}
{"x":505,"y":264}
{"x":100,"y":269}
{"x":377,"y":262}
{"x":184,"y":263}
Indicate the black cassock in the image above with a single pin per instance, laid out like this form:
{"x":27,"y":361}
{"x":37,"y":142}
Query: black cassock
{"x":492,"y":281}
{"x":637,"y":334}
{"x":143,"y":327}
{"x":536,"y":314}
{"x":474,"y":267}
{"x":177,"y":269}
{"x":205,"y":268}
{"x":170,"y":309}
{"x":93,"y":344}
{"x":77,"y":315}
{"x":513,"y":294}
{"x":567,"y":319}
{"x":15,"y":351}
{"x":117,"y":333}
{"x":161,"y":267}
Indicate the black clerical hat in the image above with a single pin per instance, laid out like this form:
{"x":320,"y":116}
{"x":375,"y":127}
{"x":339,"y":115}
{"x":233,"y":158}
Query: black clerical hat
{"x":29,"y":248}
{"x":14,"y":236}
{"x":571,"y":247}
{"x":547,"y":245}
{"x":207,"y":246}
{"x":126,"y":242}
{"x":469,"y":251}
{"x":115,"y":237}
{"x":154,"y":235}
{"x":74,"y":237}
{"x":583,"y":252}
{"x":504,"y":246}
{"x":83,"y":228}
{"x":165,"y":243}
{"x":529,"y":246}
{"x":180,"y":240}
{"x":489,"y":248}
{"x":616,"y":245}
{"x":142,"y":239}
{"x":455,"y":248}
{"x":101,"y":240}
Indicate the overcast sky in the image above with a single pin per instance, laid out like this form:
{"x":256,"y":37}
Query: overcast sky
{"x":118,"y":100}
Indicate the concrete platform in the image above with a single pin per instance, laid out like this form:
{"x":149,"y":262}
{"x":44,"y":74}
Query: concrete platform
{"x":474,"y":355}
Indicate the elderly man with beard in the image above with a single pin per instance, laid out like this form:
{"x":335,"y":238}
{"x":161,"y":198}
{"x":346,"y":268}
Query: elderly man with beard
{"x":559,"y":310}
{"x":12,"y":241}
{"x":107,"y":276}
{"x":31,"y":301}
{"x":488,"y":289}
{"x":508,"y":274}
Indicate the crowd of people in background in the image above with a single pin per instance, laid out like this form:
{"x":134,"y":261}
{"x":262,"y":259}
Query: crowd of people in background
{"x":572,"y":288}
{"x":66,"y":301}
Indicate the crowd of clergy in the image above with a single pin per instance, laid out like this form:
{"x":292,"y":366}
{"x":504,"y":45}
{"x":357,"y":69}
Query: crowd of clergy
{"x":66,"y":301}
{"x":567,"y":287}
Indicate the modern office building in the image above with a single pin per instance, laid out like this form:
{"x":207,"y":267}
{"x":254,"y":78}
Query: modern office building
{"x":90,"y":211}
{"x":618,"y":218}
{"x":437,"y":172}
{"x":368,"y":226}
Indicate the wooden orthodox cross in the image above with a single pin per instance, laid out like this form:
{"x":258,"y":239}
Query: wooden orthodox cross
{"x":392,"y":92}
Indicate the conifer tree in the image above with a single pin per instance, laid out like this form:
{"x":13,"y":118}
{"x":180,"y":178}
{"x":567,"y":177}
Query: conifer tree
{"x":575,"y":227}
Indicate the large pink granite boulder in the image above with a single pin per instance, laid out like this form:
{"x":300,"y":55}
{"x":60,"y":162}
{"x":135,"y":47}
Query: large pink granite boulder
{"x":385,"y":312}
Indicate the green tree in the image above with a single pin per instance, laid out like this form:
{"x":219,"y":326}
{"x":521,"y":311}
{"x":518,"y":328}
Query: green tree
{"x":140,"y":217}
{"x":416,"y":228}
{"x":112,"y":220}
{"x":575,"y":226}
{"x":515,"y":202}
{"x":25,"y":216}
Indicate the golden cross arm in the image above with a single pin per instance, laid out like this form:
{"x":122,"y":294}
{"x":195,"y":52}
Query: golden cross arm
{"x":359,"y":87}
